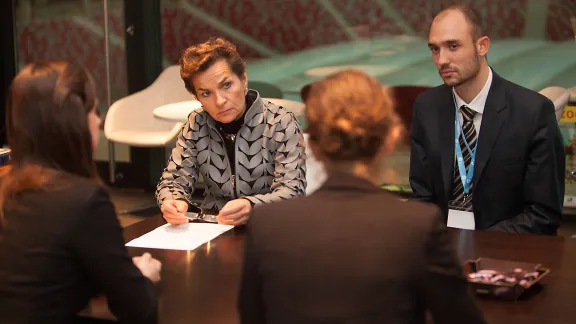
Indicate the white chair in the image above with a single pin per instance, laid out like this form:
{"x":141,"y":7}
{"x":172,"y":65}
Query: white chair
{"x":295,"y":107}
{"x":315,"y":172}
{"x":559,"y":96}
{"x":130,"y":120}
{"x":572,"y":94}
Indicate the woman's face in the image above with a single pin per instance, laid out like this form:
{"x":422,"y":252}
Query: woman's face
{"x":221,"y":92}
{"x":94,"y":122}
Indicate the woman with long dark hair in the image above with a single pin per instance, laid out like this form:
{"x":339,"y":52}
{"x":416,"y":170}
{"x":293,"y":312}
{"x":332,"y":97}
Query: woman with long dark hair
{"x":60,"y":241}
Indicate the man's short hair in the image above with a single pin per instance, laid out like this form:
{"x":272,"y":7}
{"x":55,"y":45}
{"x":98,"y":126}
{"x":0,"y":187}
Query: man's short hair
{"x":472,"y":16}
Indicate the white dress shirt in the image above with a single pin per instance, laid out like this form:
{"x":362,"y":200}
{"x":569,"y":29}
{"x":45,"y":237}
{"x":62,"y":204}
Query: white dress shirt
{"x":477,"y":104}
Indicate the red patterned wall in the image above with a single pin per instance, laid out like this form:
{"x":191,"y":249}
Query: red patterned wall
{"x":282,"y":26}
{"x":558,"y":25}
{"x":180,"y":30}
{"x":66,"y":40}
{"x":416,"y":13}
{"x":285,"y":26}
{"x":502,"y":18}
{"x":115,"y":20}
{"x":368,"y":18}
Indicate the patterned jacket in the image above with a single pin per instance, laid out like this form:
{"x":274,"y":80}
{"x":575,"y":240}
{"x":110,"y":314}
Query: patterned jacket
{"x":270,"y":159}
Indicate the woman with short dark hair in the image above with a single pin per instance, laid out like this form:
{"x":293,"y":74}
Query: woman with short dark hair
{"x":248,"y":150}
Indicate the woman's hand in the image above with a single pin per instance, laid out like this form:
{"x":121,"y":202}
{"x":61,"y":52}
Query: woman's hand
{"x":235,"y":212}
{"x":173,"y":211}
{"x":149,"y":266}
{"x":98,"y":308}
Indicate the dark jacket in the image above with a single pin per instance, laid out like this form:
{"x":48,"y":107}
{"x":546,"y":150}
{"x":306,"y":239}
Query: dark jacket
{"x":59,"y":247}
{"x":351,"y":253}
{"x":520,"y":161}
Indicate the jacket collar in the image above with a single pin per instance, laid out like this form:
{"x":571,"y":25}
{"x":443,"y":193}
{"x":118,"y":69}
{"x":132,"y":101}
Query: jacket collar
{"x":347,"y":181}
{"x":477,"y":104}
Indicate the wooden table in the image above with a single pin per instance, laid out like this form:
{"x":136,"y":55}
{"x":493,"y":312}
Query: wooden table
{"x":201,"y":286}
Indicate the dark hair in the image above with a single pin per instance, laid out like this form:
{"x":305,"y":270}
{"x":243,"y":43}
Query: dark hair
{"x":349,"y":114}
{"x":200,"y":57}
{"x":47,"y":126}
{"x":472,"y":16}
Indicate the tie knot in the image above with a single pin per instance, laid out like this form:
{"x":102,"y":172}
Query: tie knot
{"x":467,"y":113}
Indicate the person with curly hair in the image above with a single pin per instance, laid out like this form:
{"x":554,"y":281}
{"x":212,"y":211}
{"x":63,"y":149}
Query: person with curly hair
{"x":248,"y":150}
{"x":351,"y":252}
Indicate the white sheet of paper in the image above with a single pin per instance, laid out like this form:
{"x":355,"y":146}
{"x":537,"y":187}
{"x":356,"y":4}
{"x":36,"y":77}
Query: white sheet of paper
{"x":461,"y":219}
{"x":179,"y":237}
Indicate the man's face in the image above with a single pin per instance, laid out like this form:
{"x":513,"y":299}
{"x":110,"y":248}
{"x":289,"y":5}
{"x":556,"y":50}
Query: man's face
{"x":454,"y":51}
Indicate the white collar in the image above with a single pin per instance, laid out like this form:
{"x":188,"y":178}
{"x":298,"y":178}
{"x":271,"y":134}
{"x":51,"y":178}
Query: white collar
{"x":477,"y":104}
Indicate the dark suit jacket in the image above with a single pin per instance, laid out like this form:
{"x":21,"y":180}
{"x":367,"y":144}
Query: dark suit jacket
{"x":518,"y":183}
{"x":351,"y":253}
{"x":61,"y":246}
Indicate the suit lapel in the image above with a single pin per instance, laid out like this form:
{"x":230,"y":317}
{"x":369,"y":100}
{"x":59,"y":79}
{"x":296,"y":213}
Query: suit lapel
{"x":492,"y":122}
{"x":446,"y":132}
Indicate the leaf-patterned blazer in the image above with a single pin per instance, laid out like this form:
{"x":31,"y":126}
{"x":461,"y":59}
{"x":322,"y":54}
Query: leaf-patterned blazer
{"x":270,"y":159}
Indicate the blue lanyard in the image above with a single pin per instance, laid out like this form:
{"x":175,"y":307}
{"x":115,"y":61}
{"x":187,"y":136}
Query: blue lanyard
{"x":465,"y":177}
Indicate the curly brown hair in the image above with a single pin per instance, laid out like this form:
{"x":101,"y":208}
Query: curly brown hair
{"x":349,"y":115}
{"x":200,"y":57}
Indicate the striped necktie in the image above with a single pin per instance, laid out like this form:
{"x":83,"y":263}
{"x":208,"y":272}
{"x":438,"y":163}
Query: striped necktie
{"x":468,"y":132}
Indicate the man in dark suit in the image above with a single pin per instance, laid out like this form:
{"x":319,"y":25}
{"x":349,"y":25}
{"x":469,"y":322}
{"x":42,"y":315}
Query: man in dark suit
{"x":508,"y":165}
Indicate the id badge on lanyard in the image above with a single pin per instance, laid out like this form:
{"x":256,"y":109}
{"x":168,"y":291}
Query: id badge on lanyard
{"x":465,"y":177}
{"x":460,"y":212}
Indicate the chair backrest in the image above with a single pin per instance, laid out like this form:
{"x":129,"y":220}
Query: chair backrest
{"x":315,"y":172}
{"x":134,"y":112}
{"x":572,"y":95}
{"x":404,"y":97}
{"x":559,"y":97}
{"x":295,"y":107}
{"x":265,"y":89}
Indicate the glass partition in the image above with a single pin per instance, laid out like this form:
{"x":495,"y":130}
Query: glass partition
{"x":74,"y":30}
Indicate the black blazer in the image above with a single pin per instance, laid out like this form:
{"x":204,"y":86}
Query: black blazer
{"x":60,"y":247}
{"x":518,"y":183}
{"x":351,"y":253}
